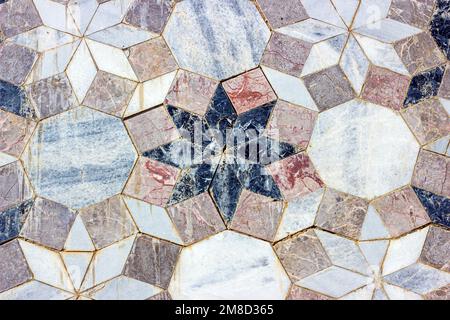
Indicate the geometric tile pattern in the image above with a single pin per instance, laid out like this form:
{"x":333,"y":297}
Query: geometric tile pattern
{"x":202,"y":149}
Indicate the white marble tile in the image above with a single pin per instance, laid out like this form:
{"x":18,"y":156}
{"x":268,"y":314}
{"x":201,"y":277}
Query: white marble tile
{"x":299,"y":214}
{"x":153,"y":220}
{"x":35,"y":290}
{"x":311,"y":30}
{"x":289,"y":88}
{"x":108,"y":14}
{"x":388,"y":30}
{"x":55,"y":15}
{"x":382,"y":54}
{"x":46,"y":266}
{"x":324,"y":55}
{"x":77,"y":264}
{"x":81,"y":71}
{"x":355,"y":64}
{"x":78,"y":238}
{"x":110,"y":59}
{"x":123,"y":288}
{"x":343,"y":252}
{"x":229,"y":265}
{"x":150,"y":93}
{"x":334,"y":281}
{"x":363,"y":149}
{"x":404,"y":251}
{"x":374,"y":251}
{"x":323,"y":10}
{"x":371,"y":11}
{"x":82,"y":12}
{"x":122,"y":36}
{"x":397,"y":293}
{"x":107,"y":263}
{"x":6,"y":159}
{"x":440,"y":146}
{"x":446,"y":104}
{"x":365,"y":293}
{"x":43,"y":38}
{"x":346,"y":9}
{"x":373,"y":227}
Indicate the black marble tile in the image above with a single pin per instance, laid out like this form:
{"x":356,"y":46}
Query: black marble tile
{"x":179,"y":153}
{"x":438,"y":207}
{"x":12,"y":220}
{"x":440,"y":26}
{"x":424,"y":85}
{"x":14,"y":100}
{"x":257,"y":179}
{"x":255,"y":119}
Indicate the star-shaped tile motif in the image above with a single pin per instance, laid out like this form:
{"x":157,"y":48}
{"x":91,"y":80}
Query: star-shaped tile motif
{"x":223,"y":152}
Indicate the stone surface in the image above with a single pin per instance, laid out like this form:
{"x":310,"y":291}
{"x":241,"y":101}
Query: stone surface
{"x":280,"y":16}
{"x":18,"y":16}
{"x":16,"y":131}
{"x":424,"y":85}
{"x":417,"y":12}
{"x":17,"y":58}
{"x":151,"y":15}
{"x":432,"y":173}
{"x":14,"y":186}
{"x":14,"y":266}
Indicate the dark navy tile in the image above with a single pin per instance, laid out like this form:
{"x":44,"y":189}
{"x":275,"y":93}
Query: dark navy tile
{"x":12,"y":220}
{"x":438,"y":207}
{"x":440,"y":26}
{"x":257,"y":179}
{"x":424,"y":85}
{"x":179,"y":153}
{"x":255,"y":119}
{"x":193,"y":181}
{"x":14,"y":100}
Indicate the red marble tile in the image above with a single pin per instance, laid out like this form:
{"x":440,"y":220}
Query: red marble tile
{"x":191,"y":92}
{"x":385,"y":87}
{"x":295,"y":176}
{"x":401,"y":211}
{"x":152,"y":129}
{"x":196,"y":218}
{"x":15,"y":270}
{"x":249,"y":90}
{"x":432,"y":173}
{"x":257,"y":215}
{"x":14,"y":132}
{"x":286,"y":54}
{"x":292,"y":124}
{"x":439,"y":294}
{"x":281,"y":15}
{"x":152,"y":181}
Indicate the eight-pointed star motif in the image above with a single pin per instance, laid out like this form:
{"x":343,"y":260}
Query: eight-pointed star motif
{"x":222,"y":152}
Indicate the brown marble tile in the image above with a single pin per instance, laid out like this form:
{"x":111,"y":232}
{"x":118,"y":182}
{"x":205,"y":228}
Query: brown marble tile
{"x":152,"y":261}
{"x":152,"y":59}
{"x":342,"y":213}
{"x":14,"y":132}
{"x":295,"y":176}
{"x":249,"y":90}
{"x":152,"y":129}
{"x":292,"y":124}
{"x":152,"y":181}
{"x":298,"y":293}
{"x":419,"y":53}
{"x":280,"y":15}
{"x":161,"y":296}
{"x":108,"y":221}
{"x":151,"y":15}
{"x":329,"y":88}
{"x":417,"y":13}
{"x":257,"y":215}
{"x":18,"y":16}
{"x":14,"y":186}
{"x":191,"y":92}
{"x":428,"y":120}
{"x":439,"y":294}
{"x":17,"y":58}
{"x":437,"y":248}
{"x":196,"y":218}
{"x":109,"y":93}
{"x":48,"y":224}
{"x":385,"y":87}
{"x":444,"y":90}
{"x":13,"y":266}
{"x":52,"y":95}
{"x":432,"y":173}
{"x":302,"y":255}
{"x":401,"y":211}
{"x":286,"y":54}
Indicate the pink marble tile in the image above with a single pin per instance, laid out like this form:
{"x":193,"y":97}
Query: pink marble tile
{"x":14,"y":133}
{"x":292,"y":124}
{"x":295,"y":176}
{"x":191,"y":92}
{"x":151,"y":15}
{"x":298,"y":293}
{"x":401,"y":211}
{"x":281,"y":15}
{"x":385,"y":87}
{"x":152,"y":129}
{"x":436,"y":249}
{"x":17,"y":58}
{"x":152,"y":181}
{"x":18,"y":16}
{"x":444,"y":90}
{"x":257,"y":215}
{"x":249,"y":90}
{"x":413,"y":12}
{"x":432,"y":173}
{"x":196,"y":218}
{"x":14,"y":186}
{"x":439,"y":294}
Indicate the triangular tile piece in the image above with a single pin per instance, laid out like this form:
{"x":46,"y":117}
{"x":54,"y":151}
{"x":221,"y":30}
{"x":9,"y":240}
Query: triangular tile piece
{"x":374,"y":251}
{"x":440,"y":146}
{"x":373,"y":227}
{"x":77,"y":264}
{"x":55,"y":15}
{"x":78,"y":238}
{"x":323,"y":10}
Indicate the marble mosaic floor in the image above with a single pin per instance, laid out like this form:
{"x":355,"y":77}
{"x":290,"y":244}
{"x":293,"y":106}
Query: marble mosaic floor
{"x":224,"y":149}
